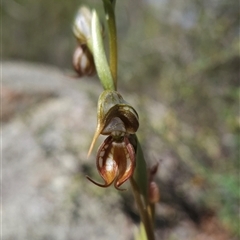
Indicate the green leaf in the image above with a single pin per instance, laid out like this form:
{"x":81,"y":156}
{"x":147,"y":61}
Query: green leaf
{"x":99,"y":55}
{"x":112,"y":35}
{"x":141,"y":234}
{"x":140,"y":172}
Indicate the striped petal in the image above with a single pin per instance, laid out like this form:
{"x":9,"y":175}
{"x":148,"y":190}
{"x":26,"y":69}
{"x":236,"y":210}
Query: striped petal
{"x":115,"y":161}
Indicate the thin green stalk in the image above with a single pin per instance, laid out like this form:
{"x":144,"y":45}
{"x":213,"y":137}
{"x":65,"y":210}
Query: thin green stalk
{"x":144,"y":215}
{"x":112,"y":34}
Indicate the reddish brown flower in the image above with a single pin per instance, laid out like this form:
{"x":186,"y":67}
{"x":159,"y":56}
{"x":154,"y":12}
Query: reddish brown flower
{"x":115,"y":161}
{"x":116,"y":156}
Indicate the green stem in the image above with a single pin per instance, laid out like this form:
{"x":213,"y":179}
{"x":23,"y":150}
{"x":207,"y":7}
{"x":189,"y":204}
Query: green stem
{"x":143,"y":210}
{"x":112,"y":34}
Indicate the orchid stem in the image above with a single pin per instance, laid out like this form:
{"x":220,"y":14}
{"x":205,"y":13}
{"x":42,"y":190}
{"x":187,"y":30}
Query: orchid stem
{"x":143,"y":211}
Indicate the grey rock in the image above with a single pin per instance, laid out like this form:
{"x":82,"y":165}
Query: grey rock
{"x":45,"y":193}
{"x":48,"y":121}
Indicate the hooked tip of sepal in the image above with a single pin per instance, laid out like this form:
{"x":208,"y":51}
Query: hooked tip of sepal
{"x":96,"y":135}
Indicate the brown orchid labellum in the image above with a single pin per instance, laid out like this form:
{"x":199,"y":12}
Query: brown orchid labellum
{"x":116,"y":156}
{"x":115,"y":161}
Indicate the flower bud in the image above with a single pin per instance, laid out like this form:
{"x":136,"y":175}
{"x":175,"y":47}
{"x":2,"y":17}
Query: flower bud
{"x":83,"y":62}
{"x":154,"y":194}
{"x":153,"y":189}
{"x":82,"y":25}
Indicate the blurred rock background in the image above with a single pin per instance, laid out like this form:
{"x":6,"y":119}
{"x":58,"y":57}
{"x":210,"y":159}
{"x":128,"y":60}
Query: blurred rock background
{"x":178,"y":66}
